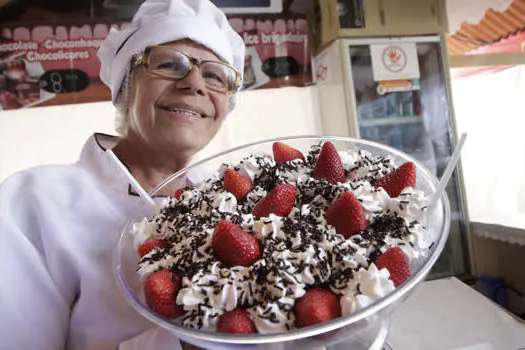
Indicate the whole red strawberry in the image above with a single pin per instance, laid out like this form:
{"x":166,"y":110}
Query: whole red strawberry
{"x":232,"y":245}
{"x":161,"y":288}
{"x":395,"y":261}
{"x":329,"y":165}
{"x":346,"y":215}
{"x":399,"y":179}
{"x":318,"y":305}
{"x":283,"y":153}
{"x":236,"y":184}
{"x":280,"y":201}
{"x":235,"y":321}
{"x":150,"y":244}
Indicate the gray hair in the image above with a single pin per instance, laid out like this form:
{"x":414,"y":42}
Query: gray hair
{"x":123,"y":98}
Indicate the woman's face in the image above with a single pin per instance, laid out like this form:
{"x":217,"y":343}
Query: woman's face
{"x":176,"y":116}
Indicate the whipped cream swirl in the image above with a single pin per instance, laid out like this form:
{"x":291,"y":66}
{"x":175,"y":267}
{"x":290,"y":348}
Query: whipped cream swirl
{"x":367,"y":286}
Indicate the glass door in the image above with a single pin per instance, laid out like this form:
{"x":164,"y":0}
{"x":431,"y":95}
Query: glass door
{"x":414,"y":117}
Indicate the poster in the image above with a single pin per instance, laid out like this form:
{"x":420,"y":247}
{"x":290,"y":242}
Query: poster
{"x":53,"y":64}
{"x":277,"y":50}
{"x":49,"y":65}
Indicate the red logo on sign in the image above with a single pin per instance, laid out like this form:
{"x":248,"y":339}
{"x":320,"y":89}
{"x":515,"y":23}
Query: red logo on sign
{"x":394,"y":59}
{"x":321,"y":72}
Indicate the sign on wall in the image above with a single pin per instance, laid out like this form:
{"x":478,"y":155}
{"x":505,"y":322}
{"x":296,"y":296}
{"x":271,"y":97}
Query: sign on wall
{"x":397,"y":61}
{"x":50,"y":65}
{"x":58,"y":64}
{"x":277,"y":51}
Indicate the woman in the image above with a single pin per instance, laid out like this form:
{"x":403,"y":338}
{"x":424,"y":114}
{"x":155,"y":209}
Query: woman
{"x":172,"y":75}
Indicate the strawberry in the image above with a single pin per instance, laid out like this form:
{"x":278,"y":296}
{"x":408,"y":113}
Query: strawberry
{"x":318,"y":305}
{"x":150,"y":244}
{"x":236,"y":184}
{"x":346,"y":215}
{"x":399,"y":179}
{"x":279,"y":201}
{"x":232,"y":245}
{"x":395,"y":261}
{"x":178,"y":193}
{"x":235,"y":321}
{"x":161,"y":288}
{"x":283,"y":153}
{"x":329,"y":165}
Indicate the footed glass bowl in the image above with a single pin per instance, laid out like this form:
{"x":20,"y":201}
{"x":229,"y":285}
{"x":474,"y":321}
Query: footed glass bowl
{"x":364,"y":329}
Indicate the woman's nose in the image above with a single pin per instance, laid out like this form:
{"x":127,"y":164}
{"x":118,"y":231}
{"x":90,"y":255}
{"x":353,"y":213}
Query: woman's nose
{"x":193,"y":82}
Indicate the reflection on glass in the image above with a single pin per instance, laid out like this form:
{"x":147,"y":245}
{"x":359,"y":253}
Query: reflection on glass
{"x":415,"y":121}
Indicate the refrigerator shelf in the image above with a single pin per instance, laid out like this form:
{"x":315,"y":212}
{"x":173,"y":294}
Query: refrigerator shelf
{"x":365,"y":123}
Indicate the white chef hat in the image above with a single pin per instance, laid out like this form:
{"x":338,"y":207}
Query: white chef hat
{"x":161,"y":21}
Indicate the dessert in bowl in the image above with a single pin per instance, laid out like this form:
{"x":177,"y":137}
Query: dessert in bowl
{"x":301,"y":242}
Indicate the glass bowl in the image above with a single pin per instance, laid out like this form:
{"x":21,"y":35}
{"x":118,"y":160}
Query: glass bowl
{"x":364,"y":329}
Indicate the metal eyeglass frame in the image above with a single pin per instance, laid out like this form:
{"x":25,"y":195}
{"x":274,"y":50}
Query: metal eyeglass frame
{"x":143,"y":59}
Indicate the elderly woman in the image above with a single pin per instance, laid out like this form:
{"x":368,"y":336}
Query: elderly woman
{"x":172,"y":75}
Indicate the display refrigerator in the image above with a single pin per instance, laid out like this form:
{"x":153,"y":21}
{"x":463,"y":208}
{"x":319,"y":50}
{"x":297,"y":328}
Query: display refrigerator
{"x":396,"y":91}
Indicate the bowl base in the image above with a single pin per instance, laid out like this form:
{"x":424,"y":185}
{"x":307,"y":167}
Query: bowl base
{"x":373,"y":338}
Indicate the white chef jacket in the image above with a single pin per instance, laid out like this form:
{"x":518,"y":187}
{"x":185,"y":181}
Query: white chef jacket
{"x":59,"y":227}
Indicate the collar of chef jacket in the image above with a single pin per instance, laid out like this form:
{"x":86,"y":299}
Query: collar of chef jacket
{"x":95,"y":159}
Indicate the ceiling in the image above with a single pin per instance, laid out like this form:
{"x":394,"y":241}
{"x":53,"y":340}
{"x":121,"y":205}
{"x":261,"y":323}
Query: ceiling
{"x":492,"y":28}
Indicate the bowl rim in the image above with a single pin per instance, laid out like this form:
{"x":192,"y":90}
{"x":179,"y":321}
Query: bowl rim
{"x":399,"y":293}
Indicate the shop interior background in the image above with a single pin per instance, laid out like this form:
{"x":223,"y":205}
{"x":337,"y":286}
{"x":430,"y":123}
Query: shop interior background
{"x":487,"y":107}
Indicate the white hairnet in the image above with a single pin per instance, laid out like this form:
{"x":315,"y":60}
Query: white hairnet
{"x":161,"y":21}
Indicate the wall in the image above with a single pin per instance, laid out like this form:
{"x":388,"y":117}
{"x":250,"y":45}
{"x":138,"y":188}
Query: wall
{"x":44,"y":135}
{"x":268,"y":113}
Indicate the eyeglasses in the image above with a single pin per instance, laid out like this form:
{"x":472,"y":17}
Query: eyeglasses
{"x":165,"y":61}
